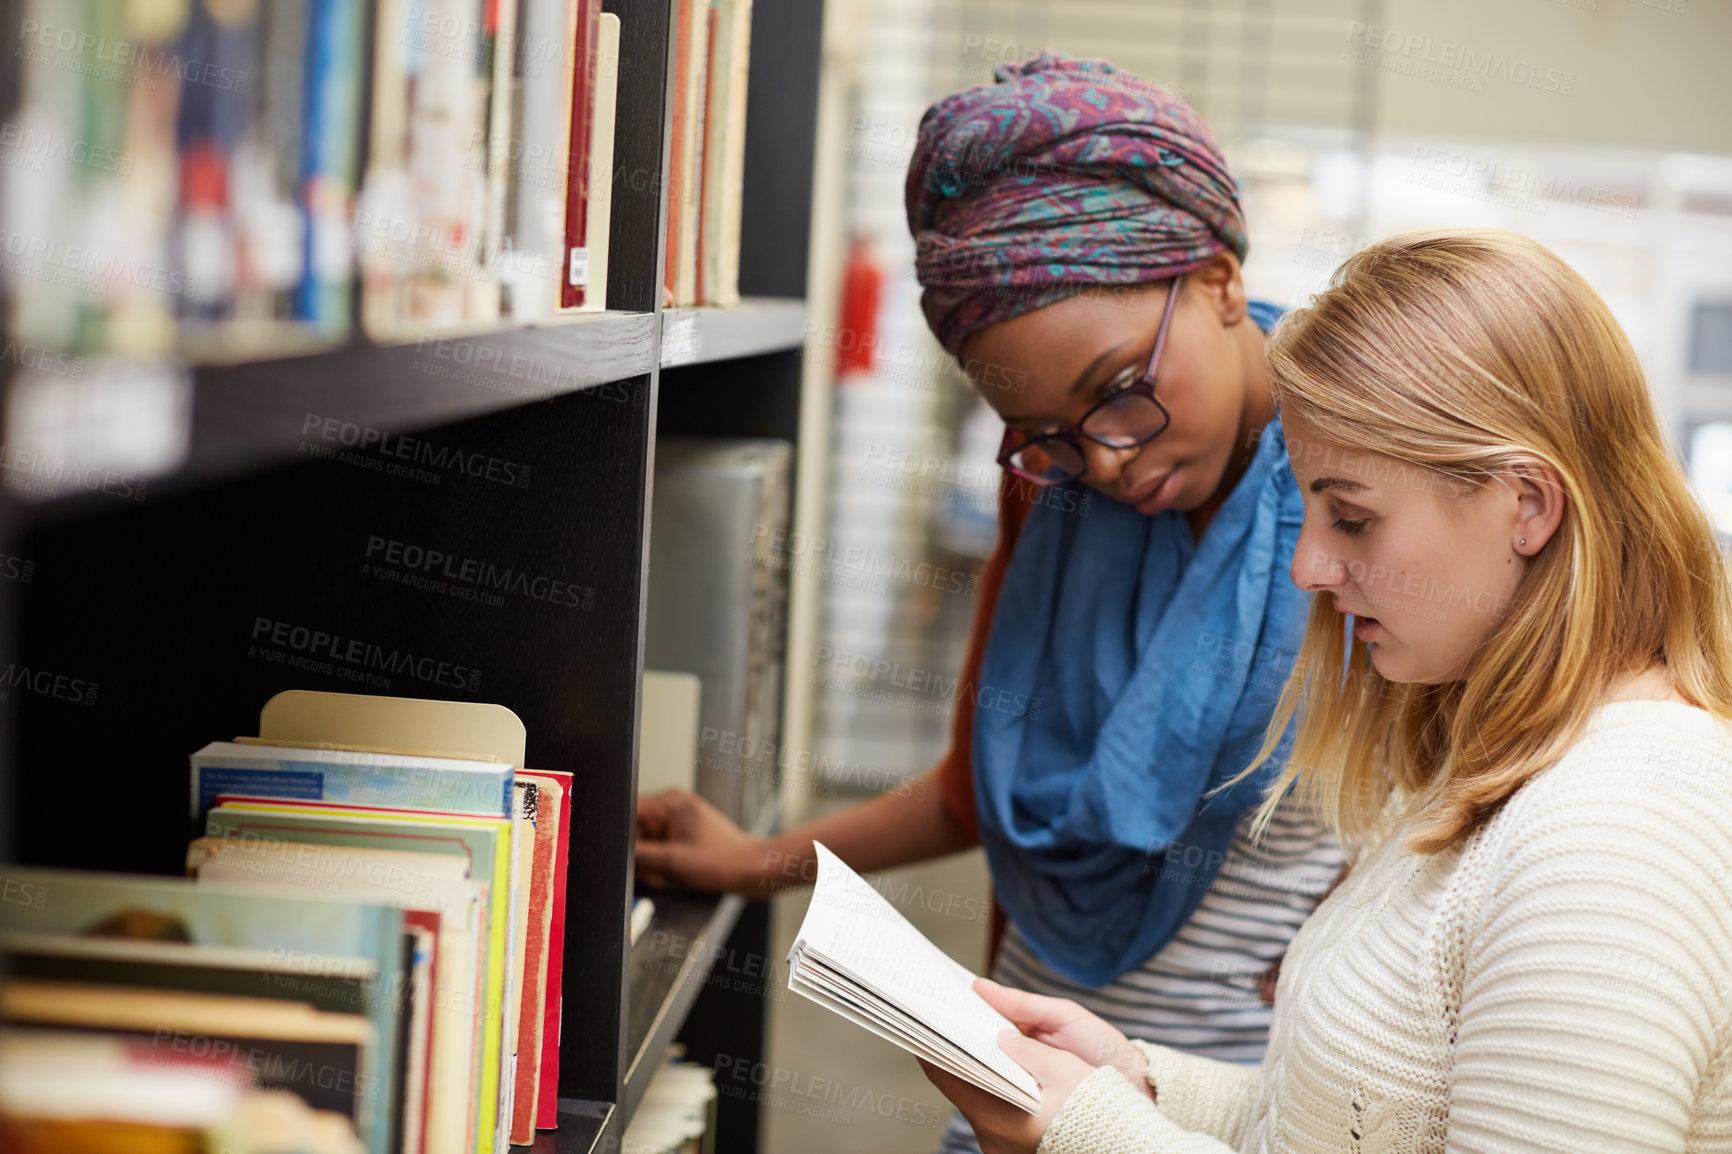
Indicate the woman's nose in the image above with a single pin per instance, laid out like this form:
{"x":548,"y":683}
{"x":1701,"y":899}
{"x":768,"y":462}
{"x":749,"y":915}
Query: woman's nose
{"x":1104,"y":463}
{"x":1315,"y":569}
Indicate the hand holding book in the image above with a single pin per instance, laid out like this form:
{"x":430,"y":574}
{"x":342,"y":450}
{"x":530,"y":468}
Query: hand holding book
{"x":1061,"y":1024}
{"x":1006,"y":1058}
{"x":861,"y":958}
{"x":1060,"y":1043}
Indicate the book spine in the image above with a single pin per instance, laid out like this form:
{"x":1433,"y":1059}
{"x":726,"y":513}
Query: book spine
{"x":727,"y":283}
{"x":547,"y":1096}
{"x":708,"y":156}
{"x":677,"y":175}
{"x":385,"y":209}
{"x":685,"y":288}
{"x":574,"y":270}
{"x":500,"y":123}
{"x":603,"y":119}
{"x":483,"y":794}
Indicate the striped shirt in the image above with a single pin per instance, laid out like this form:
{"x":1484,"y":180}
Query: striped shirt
{"x":1199,"y":992}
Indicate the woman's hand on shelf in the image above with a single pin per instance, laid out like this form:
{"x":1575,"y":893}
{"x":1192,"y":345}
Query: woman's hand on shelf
{"x":1066,"y":1026}
{"x":684,"y":840}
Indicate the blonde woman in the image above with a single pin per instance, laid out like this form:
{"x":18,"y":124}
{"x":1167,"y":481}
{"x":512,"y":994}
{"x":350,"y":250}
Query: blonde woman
{"x":1513,"y":692}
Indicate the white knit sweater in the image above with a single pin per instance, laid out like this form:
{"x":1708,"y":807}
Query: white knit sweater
{"x":1561,"y":982}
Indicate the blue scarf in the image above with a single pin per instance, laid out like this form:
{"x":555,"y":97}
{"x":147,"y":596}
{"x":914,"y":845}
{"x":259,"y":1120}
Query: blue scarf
{"x":1152,"y":665}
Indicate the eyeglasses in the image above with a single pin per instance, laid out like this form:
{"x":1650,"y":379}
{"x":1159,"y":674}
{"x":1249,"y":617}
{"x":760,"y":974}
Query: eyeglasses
{"x":1130,"y":417}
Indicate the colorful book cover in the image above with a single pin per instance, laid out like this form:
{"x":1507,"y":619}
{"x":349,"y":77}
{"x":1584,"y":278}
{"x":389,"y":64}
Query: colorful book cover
{"x":707,"y":150}
{"x":486,"y":841}
{"x":303,"y":932}
{"x":603,"y":118}
{"x":686,"y":282}
{"x":724,"y":172}
{"x":457,"y":1039}
{"x":424,"y":933}
{"x":386,"y":208}
{"x":270,"y":215}
{"x":500,"y":51}
{"x":556,"y":787}
{"x":447,"y":160}
{"x":538,"y":908}
{"x":536,"y":221}
{"x":522,"y":860}
{"x":348,"y":777}
{"x":330,"y":148}
{"x":214,"y":117}
{"x":176,"y":965}
{"x":433,"y":889}
{"x":677,"y":175}
{"x":319,"y":1057}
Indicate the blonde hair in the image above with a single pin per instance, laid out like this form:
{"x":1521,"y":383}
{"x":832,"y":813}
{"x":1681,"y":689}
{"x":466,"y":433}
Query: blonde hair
{"x":1467,"y":353}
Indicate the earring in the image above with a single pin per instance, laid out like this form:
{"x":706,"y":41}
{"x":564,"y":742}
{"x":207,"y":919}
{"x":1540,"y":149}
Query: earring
{"x":1523,"y":541}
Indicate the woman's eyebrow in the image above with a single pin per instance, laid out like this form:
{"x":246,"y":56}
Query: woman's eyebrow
{"x":1340,"y":484}
{"x":1082,"y":382}
{"x":1087,"y":375}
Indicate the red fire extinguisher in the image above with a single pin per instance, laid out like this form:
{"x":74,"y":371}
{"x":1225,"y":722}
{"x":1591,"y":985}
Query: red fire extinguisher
{"x":857,"y":334}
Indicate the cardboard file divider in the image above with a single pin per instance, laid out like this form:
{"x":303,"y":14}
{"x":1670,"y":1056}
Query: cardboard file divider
{"x":405,"y":725}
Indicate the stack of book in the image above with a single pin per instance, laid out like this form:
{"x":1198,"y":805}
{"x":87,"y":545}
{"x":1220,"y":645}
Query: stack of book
{"x":219,"y":179}
{"x":374,"y":934}
{"x":62,"y":1092}
{"x":707,"y":157}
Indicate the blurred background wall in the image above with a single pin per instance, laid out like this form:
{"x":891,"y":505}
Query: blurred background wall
{"x":1599,"y":127}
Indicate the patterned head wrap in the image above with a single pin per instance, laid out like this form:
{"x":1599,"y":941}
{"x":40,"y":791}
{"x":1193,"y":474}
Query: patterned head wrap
{"x":1065,"y":174}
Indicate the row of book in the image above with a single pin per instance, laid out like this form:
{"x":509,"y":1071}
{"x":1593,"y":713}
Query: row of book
{"x":369,"y":943}
{"x":215,"y":178}
{"x":707,"y":152}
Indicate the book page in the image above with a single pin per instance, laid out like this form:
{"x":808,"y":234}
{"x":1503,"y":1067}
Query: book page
{"x":858,"y":933}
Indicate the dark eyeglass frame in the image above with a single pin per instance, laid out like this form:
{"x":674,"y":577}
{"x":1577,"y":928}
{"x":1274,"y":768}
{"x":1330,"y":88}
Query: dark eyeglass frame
{"x":1012,"y":444}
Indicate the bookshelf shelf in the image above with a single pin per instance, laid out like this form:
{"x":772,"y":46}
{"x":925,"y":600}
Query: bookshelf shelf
{"x":582,"y":1126}
{"x":684,"y":946}
{"x":245,"y":417}
{"x":248,"y":415}
{"x":264,"y":409}
{"x":670,"y":965}
{"x":753,"y":327}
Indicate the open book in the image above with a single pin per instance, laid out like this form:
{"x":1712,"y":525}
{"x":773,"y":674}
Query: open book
{"x":858,"y":956}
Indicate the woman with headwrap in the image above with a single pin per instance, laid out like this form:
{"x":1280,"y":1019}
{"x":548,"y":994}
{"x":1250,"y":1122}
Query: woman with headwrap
{"x":1079,"y":241}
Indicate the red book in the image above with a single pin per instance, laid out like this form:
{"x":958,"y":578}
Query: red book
{"x":547,"y":1096}
{"x":420,"y":1059}
{"x":582,"y":62}
{"x":532,"y":1020}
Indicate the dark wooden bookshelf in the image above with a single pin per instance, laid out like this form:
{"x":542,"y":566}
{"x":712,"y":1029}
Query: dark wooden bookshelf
{"x":582,"y":1126}
{"x":158,"y":600}
{"x":249,"y":416}
{"x":757,"y":325}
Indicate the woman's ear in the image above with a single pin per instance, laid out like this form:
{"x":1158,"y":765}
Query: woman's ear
{"x":1539,"y":494}
{"x":1219,"y":285}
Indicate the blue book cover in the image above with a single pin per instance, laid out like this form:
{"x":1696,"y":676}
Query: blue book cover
{"x":348,"y":777}
{"x":330,"y":159}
